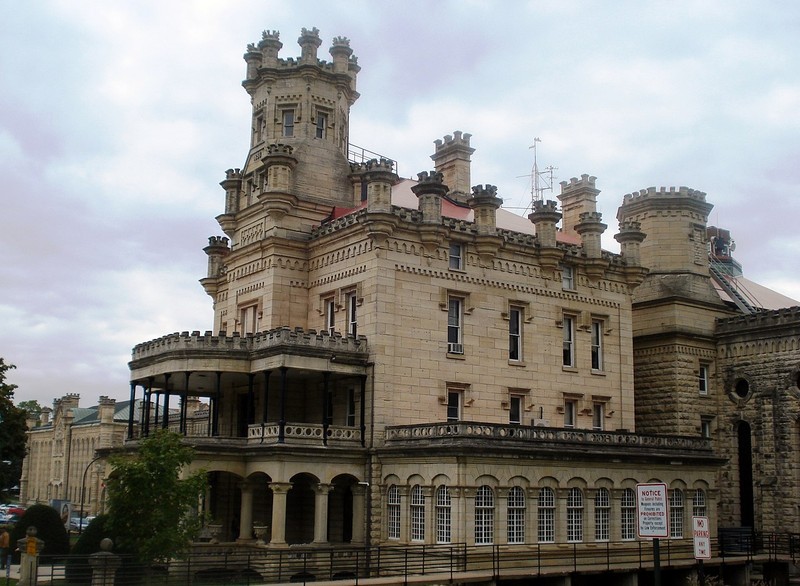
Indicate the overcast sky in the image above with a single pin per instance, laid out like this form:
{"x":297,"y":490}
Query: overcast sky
{"x":119,"y":118}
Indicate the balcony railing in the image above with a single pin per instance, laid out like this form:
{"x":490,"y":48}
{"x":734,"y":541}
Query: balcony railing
{"x":303,"y":434}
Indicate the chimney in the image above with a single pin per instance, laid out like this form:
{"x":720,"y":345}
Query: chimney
{"x":452,"y":160}
{"x":578,"y":196}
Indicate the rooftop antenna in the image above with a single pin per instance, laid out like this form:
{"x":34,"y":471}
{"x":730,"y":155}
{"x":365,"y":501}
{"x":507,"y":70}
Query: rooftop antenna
{"x":542,"y":180}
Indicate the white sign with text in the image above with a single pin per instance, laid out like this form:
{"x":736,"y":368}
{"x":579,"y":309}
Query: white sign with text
{"x":652,"y":510}
{"x":702,"y":538}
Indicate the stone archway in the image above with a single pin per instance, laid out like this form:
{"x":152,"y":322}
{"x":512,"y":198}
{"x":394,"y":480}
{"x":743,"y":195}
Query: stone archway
{"x":340,"y":509}
{"x":300,"y":508}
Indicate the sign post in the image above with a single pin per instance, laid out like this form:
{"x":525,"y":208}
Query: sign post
{"x":701,"y":535}
{"x":652,"y":512}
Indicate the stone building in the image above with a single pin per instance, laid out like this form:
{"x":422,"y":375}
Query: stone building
{"x":399,"y":361}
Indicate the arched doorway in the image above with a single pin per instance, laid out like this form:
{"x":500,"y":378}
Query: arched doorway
{"x":340,"y":509}
{"x":225,"y":502}
{"x":300,"y":507}
{"x":745,"y":460}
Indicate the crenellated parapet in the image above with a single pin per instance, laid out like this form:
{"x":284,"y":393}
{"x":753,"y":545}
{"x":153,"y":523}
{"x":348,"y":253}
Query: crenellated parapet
{"x":289,"y":340}
{"x":769,"y":319}
{"x":232,"y":184}
{"x":578,"y":196}
{"x":452,"y":158}
{"x":545,"y":216}
{"x":430,"y":189}
{"x":485,"y":203}
{"x":652,"y":192}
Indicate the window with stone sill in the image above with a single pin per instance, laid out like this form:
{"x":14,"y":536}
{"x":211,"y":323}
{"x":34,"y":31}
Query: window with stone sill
{"x":321,"y":125}
{"x":456,"y":256}
{"x":568,"y":327}
{"x":568,"y":277}
{"x":287,"y":122}
{"x":443,"y":514}
{"x":702,"y":379}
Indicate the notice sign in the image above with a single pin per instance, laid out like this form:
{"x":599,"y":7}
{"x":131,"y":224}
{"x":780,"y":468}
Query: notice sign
{"x":702,"y":538}
{"x":652,"y":510}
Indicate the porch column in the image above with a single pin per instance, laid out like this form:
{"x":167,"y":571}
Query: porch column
{"x":282,"y":421}
{"x":321,"y":512}
{"x":165,"y":418}
{"x":130,"y":410}
{"x":246,"y":512}
{"x":148,"y":397}
{"x":359,"y":507}
{"x":279,"y":491}
{"x":182,"y":425}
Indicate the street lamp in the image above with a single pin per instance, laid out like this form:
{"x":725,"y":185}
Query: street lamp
{"x":83,"y":490}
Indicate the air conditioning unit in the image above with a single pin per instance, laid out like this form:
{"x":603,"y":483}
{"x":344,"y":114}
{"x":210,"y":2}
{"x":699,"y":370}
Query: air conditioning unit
{"x":540,"y":422}
{"x":453,"y":348}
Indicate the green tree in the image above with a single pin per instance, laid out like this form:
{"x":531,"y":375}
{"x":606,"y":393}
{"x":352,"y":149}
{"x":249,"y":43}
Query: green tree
{"x":31,"y":407}
{"x":12,"y":433}
{"x":151,"y":508}
{"x":49,"y":527}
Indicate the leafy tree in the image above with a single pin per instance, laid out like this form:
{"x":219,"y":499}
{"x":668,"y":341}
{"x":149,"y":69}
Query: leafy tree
{"x":49,"y":527}
{"x":31,"y":407}
{"x":151,"y":508}
{"x":12,"y":432}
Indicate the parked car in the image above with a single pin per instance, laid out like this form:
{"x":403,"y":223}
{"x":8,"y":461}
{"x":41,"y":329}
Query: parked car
{"x":78,"y":523}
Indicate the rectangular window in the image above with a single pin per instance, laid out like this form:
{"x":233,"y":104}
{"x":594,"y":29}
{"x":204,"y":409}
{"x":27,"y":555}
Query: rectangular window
{"x":702,"y":379}
{"x":598,"y":414}
{"x":453,"y":405}
{"x":330,"y":314}
{"x":443,"y":517}
{"x":628,"y":515}
{"x":393,"y":513}
{"x":351,"y":407}
{"x":705,"y":427}
{"x":248,"y":317}
{"x":417,"y":514}
{"x":602,"y":515}
{"x":516,"y":515}
{"x":515,"y":409}
{"x":456,"y":256}
{"x":597,"y":345}
{"x":574,"y":515}
{"x":259,"y":129}
{"x":546,"y":507}
{"x":455,"y":312}
{"x":352,"y":321}
{"x":569,"y":341}
{"x":570,"y":412}
{"x":288,"y":123}
{"x":676,"y":514}
{"x":567,"y":277}
{"x":515,"y":315}
{"x":322,"y":125}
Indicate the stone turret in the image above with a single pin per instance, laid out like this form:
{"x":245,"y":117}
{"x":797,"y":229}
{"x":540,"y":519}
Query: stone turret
{"x":630,"y":238}
{"x":309,"y":42}
{"x":545,"y":216}
{"x":232,"y":184}
{"x":429,"y":191}
{"x":484,"y":203}
{"x":578,"y":196}
{"x":216,"y":250}
{"x":379,"y":178}
{"x":452,"y":160}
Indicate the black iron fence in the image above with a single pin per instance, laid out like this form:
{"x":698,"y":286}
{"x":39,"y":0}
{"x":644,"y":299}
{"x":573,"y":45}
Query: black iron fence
{"x":220,"y":564}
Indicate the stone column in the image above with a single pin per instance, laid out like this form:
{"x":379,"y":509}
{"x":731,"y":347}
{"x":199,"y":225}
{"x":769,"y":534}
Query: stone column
{"x":246,"y":512}
{"x":405,"y":529}
{"x":104,"y":564}
{"x":468,"y":515}
{"x":501,"y":519}
{"x":359,"y":512}
{"x":430,"y":514}
{"x":321,"y":492}
{"x":279,"y":491}
{"x":457,"y":518}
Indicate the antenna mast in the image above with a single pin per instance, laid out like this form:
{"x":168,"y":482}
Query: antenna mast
{"x":542,"y":180}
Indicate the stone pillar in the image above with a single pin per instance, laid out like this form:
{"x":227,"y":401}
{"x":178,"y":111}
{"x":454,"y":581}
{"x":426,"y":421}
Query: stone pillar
{"x":405,"y":529}
{"x":501,"y":517}
{"x":485,"y":203}
{"x":630,"y":238}
{"x":590,"y":229}
{"x":309,"y":42}
{"x":246,"y":512}
{"x":468,"y":515}
{"x":269,"y":46}
{"x":429,"y":191}
{"x":380,"y":177}
{"x":340,"y":51}
{"x":430,"y":514}
{"x":321,"y":492}
{"x":279,"y":491}
{"x":359,"y":512}
{"x":544,"y":217}
{"x":216,"y":250}
{"x":104,"y":564}
{"x":232,"y":184}
{"x":457,"y":518}
{"x":29,"y":546}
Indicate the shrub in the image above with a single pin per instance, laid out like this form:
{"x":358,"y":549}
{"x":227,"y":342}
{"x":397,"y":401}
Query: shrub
{"x":49,"y":528}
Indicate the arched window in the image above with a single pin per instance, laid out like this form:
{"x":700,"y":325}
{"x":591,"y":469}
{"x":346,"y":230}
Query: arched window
{"x":602,"y":515}
{"x":516,"y":515}
{"x":442,"y":515}
{"x":574,"y":515}
{"x":546,"y":505}
{"x":676,"y":513}
{"x":628,"y":514}
{"x":393,"y":512}
{"x":417,"y":514}
{"x":484,"y":516}
{"x":699,"y":503}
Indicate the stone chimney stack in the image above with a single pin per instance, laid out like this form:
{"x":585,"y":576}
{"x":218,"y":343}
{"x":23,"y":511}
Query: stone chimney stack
{"x":452,"y":160}
{"x":380,"y":177}
{"x":340,"y":52}
{"x":429,"y":191}
{"x":578,"y":196}
{"x":216,"y":250}
{"x":309,"y":42}
{"x":105,"y":410}
{"x":232,"y":184}
{"x":590,"y":229}
{"x":630,"y":238}
{"x":484,"y":203}
{"x":44,"y":416}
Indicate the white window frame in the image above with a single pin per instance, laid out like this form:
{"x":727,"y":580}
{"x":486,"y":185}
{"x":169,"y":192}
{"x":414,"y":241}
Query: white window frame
{"x":602,"y":515}
{"x":546,"y":513}
{"x":455,"y":324}
{"x":287,"y":122}
{"x":443,"y":515}
{"x":598,"y":415}
{"x":455,"y":403}
{"x":456,"y":256}
{"x":699,"y":508}
{"x":570,"y":413}
{"x":568,"y":277}
{"x":568,"y":353}
{"x":705,"y":426}
{"x":702,"y":379}
{"x":516,"y":316}
{"x":417,"y":503}
{"x":515,"y":512}
{"x":628,"y":515}
{"x":676,"y":508}
{"x":597,"y":345}
{"x":329,"y":310}
{"x":574,"y":515}
{"x":248,"y":319}
{"x":393,"y":512}
{"x":351,"y":303}
{"x":484,"y":515}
